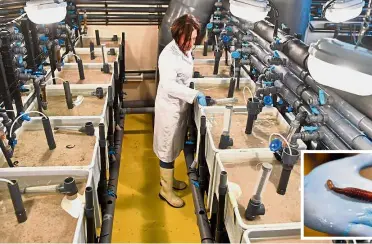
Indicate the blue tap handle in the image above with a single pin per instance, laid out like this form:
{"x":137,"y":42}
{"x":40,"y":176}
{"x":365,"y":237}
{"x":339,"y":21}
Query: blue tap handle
{"x":275,"y":145}
{"x":314,"y":110}
{"x":322,"y":99}
{"x":310,"y":128}
{"x":25,"y":117}
{"x":268,"y":100}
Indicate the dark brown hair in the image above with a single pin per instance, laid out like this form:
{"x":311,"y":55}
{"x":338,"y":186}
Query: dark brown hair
{"x":185,"y":24}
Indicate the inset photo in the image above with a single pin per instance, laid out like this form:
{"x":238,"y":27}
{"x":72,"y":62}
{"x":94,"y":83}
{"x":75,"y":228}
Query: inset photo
{"x":337,"y":195}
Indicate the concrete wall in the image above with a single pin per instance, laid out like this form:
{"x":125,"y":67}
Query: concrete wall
{"x":141,"y":54}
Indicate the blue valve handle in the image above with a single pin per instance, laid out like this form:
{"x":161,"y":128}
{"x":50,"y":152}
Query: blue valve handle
{"x":314,"y":110}
{"x":210,"y":26}
{"x":13,"y":142}
{"x":322,"y":99}
{"x":25,"y":117}
{"x":195,"y":183}
{"x":225,"y":38}
{"x":276,"y":54}
{"x":235,"y":55}
{"x":268,"y":100}
{"x":268,"y":83}
{"x":275,"y":145}
{"x":289,"y":109}
{"x":280,"y":102}
{"x":310,"y":128}
{"x":229,"y":28}
{"x":254,"y":71}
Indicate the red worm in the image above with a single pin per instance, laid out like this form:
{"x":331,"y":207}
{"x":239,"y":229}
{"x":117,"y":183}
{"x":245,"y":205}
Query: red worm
{"x":351,"y":192}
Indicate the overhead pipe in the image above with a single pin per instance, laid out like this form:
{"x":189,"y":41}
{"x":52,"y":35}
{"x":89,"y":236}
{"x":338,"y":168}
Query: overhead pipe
{"x":360,"y":120}
{"x":343,"y":128}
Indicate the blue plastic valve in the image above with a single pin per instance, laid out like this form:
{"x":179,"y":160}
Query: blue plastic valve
{"x":235,"y":55}
{"x":25,"y":117}
{"x":195,"y":183}
{"x":209,"y":26}
{"x":268,"y":100}
{"x":280,"y":102}
{"x":23,"y":89}
{"x":310,"y":128}
{"x":267,"y":83}
{"x":276,"y":54}
{"x":13,"y":142}
{"x":289,"y":109}
{"x":225,"y":38}
{"x":254,"y":71}
{"x":275,"y":145}
{"x":229,"y":28}
{"x":43,"y":38}
{"x":20,"y":60}
{"x":322,"y":99}
{"x":314,"y":110}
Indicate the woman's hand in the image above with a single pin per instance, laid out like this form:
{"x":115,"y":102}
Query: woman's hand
{"x":201,"y":99}
{"x":334,"y":213}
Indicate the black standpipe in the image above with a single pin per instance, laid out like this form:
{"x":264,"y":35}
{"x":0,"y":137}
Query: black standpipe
{"x":288,"y":161}
{"x":6,"y":154}
{"x":68,"y":95}
{"x":226,"y":56}
{"x":89,"y":215}
{"x":217,"y":59}
{"x":38,"y":96}
{"x":231,"y":88}
{"x":254,"y":107}
{"x":91,"y":48}
{"x":222,"y":190}
{"x":81,"y":69}
{"x":16,"y":197}
{"x":48,"y":133}
{"x":205,"y":48}
{"x":110,"y":132}
{"x":102,"y":185}
{"x":238,"y":69}
{"x":98,"y":40}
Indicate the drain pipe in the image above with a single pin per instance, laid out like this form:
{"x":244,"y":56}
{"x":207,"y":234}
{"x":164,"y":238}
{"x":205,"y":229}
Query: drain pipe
{"x":222,"y":191}
{"x":108,"y":216}
{"x":201,"y":213}
{"x":203,"y":167}
{"x":102,"y":184}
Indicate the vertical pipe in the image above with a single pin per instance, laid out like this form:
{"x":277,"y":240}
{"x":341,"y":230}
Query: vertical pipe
{"x":91,"y":48}
{"x":5,"y":90}
{"x":98,"y":41}
{"x":81,"y":69}
{"x":217,"y":59}
{"x":16,"y":197}
{"x":102,"y":185}
{"x":238,"y":76}
{"x":110,"y":133}
{"x":222,"y":190}
{"x":28,"y":43}
{"x":38,"y":96}
{"x":52,"y":63}
{"x":48,"y":133}
{"x":6,"y":154}
{"x":231,"y":88}
{"x":68,"y":95}
{"x":89,"y":215}
{"x":203,"y":168}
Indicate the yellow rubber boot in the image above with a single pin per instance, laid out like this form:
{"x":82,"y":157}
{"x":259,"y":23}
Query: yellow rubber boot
{"x":166,"y":191}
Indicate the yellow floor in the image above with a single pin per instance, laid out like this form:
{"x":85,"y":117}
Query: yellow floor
{"x":140,"y":215}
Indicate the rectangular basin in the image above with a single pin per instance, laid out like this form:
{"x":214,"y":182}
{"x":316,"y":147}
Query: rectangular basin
{"x":84,"y":55}
{"x":206,"y":69}
{"x":46,"y":221}
{"x":243,"y":167}
{"x":92,"y":73}
{"x":74,"y":150}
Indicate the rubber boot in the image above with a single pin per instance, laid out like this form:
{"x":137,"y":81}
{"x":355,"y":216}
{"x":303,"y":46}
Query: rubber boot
{"x":166,"y":191}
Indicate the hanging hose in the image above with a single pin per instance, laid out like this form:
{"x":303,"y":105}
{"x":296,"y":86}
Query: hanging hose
{"x":245,"y":98}
{"x":20,"y":116}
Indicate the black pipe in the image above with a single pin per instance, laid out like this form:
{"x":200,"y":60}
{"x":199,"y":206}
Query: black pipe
{"x":254,"y":108}
{"x":110,"y":132}
{"x":91,"y":48}
{"x":38,"y":95}
{"x":238,"y":77}
{"x":102,"y":185}
{"x":231,"y":88}
{"x":6,"y":154}
{"x":288,"y":161}
{"x":203,"y":167}
{"x":138,"y":103}
{"x":108,"y":217}
{"x":48,"y":133}
{"x":126,"y":9}
{"x":201,"y":214}
{"x":4,"y":89}
{"x":89,"y":215}
{"x":98,"y":40}
{"x":205,"y":48}
{"x":81,"y":69}
{"x":217,"y":59}
{"x":222,"y":190}
{"x":125,"y":16}
{"x":16,"y":197}
{"x":131,"y":2}
{"x":68,"y":95}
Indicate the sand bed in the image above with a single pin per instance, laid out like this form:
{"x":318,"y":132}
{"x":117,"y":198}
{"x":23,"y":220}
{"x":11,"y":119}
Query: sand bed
{"x":263,"y":127}
{"x":92,"y":76}
{"x":207,"y":70}
{"x":86,"y":43}
{"x":32,"y":149}
{"x":279,"y":209}
{"x":98,"y":59}
{"x":46,"y":221}
{"x":221,"y":91}
{"x":91,"y":106}
{"x":198,"y":54}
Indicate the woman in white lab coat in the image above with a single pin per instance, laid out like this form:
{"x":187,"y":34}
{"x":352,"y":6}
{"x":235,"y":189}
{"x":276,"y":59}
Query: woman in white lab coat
{"x":173,"y":96}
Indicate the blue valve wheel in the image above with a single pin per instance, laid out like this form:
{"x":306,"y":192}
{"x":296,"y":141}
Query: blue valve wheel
{"x":235,"y":55}
{"x":268,"y":100}
{"x":25,"y":117}
{"x":275,"y":145}
{"x":209,"y":26}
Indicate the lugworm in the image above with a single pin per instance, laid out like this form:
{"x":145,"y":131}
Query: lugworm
{"x":356,"y":193}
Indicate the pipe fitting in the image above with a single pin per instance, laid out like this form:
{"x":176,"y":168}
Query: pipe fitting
{"x":320,"y":118}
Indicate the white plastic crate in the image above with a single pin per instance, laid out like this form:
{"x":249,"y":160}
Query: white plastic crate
{"x":35,"y":177}
{"x":235,"y":223}
{"x":36,"y":124}
{"x":211,"y":149}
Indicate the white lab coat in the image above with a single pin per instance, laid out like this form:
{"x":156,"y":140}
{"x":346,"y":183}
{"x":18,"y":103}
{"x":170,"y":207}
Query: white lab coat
{"x":173,"y":96}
